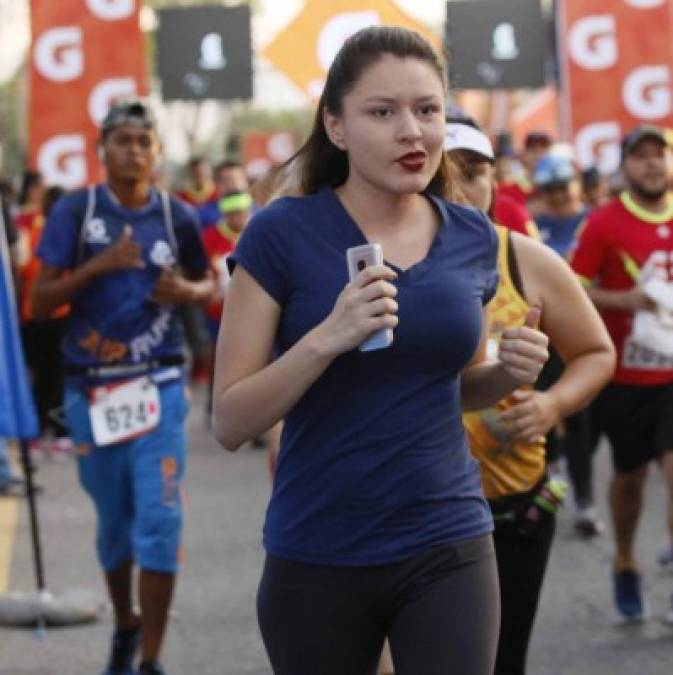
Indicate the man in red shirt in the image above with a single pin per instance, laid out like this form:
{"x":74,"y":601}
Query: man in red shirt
{"x":220,"y":241}
{"x":519,"y":188}
{"x":200,"y":187}
{"x":625,"y":256}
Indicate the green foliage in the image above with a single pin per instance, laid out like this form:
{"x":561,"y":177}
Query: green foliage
{"x":13,"y":125}
{"x":256,"y":119}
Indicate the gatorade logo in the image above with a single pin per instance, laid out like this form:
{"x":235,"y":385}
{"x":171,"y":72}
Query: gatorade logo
{"x":338,"y":29}
{"x":62,"y":162}
{"x":58,"y":54}
{"x":592,"y":42}
{"x":647,"y":92}
{"x":598,"y":144}
{"x":332,"y":36}
{"x":107,"y":91}
{"x":112,"y":10}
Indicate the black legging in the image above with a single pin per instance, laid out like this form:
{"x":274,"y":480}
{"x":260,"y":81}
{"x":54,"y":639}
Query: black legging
{"x":522,"y":562}
{"x":440,"y":611}
{"x":42,"y":343}
{"x":580,"y":440}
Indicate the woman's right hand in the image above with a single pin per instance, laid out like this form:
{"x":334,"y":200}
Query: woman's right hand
{"x":367,"y":304}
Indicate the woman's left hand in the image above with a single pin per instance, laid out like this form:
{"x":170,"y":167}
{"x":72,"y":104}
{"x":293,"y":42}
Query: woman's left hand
{"x":523,"y":351}
{"x":533,"y":414}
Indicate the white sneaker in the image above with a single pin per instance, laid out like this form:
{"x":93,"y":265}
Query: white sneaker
{"x":587,"y":523}
{"x":665,"y":558}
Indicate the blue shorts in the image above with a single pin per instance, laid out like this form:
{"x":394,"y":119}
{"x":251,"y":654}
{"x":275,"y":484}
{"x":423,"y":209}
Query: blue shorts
{"x":136,"y":485}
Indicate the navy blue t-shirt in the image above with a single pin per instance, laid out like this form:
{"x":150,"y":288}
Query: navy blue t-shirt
{"x":374,"y":465}
{"x":113,"y":320}
{"x":559,"y":232}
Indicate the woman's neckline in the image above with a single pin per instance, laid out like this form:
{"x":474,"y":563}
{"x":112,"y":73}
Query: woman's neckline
{"x":358,"y":237}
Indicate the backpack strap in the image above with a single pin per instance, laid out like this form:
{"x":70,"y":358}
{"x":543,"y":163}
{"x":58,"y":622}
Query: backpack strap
{"x":168,"y":221}
{"x":84,"y":223}
{"x":166,"y":208}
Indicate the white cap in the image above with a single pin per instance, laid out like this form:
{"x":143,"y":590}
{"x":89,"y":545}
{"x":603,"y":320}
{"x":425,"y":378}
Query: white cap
{"x":466,"y":137}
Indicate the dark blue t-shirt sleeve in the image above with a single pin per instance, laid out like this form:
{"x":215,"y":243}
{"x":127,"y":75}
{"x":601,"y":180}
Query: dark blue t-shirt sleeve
{"x":60,"y":238}
{"x":264,"y":250}
{"x":208,"y":213}
{"x":192,"y":253}
{"x":490,"y":260}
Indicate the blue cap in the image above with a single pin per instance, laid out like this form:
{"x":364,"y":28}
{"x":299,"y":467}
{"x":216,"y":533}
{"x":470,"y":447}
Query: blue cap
{"x":553,"y":170}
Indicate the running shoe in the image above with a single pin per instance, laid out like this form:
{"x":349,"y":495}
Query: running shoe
{"x":665,"y":558}
{"x":587,"y":523}
{"x":151,"y":669}
{"x":122,"y":652}
{"x":629,"y":596}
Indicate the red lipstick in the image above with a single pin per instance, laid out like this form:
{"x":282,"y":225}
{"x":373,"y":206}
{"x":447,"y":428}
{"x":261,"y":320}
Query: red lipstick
{"x":412,"y":161}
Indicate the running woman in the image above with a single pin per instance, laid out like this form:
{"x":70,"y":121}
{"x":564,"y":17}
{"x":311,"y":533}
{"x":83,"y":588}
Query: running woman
{"x":124,"y":256}
{"x":377,"y":525}
{"x":508,"y":439}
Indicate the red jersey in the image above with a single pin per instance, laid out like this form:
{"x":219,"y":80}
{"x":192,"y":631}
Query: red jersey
{"x":197,"y":197}
{"x":512,"y":215}
{"x":29,"y":224}
{"x":219,"y":243}
{"x":519,"y":192}
{"x":616,"y":242}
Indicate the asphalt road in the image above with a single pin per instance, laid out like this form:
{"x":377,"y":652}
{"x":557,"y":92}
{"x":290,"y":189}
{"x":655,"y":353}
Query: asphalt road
{"x":213,"y":630}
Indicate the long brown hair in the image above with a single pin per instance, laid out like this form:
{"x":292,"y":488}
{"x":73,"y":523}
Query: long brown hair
{"x":319,"y":163}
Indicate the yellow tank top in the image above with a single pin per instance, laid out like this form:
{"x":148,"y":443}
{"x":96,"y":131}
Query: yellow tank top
{"x":506,"y":467}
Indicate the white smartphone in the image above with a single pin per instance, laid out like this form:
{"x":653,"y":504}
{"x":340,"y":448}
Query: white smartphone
{"x":357,"y":258}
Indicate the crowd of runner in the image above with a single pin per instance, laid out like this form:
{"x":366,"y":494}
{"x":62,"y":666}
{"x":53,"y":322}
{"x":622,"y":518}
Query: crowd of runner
{"x":378,"y":513}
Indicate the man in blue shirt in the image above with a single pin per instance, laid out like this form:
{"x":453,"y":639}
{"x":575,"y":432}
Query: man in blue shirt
{"x":124,"y":256}
{"x":562,"y":213}
{"x":561,"y":210}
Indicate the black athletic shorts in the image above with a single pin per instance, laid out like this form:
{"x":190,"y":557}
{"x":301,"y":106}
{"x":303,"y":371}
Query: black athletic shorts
{"x":638,"y":420}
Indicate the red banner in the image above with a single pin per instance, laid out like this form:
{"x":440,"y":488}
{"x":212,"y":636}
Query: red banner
{"x":84,"y":54}
{"x":617,"y":62}
{"x":263,"y":150}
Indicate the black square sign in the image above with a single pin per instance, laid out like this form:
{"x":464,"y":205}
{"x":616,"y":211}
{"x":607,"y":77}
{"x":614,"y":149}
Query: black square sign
{"x":205,"y":53}
{"x":496,"y":44}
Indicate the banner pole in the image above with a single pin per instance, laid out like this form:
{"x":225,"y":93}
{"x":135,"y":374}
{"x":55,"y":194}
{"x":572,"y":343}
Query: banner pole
{"x":32,"y":509}
{"x":18,"y":419}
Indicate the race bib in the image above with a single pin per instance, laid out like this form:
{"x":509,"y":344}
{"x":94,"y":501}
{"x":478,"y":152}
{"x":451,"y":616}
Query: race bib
{"x":123,"y":411}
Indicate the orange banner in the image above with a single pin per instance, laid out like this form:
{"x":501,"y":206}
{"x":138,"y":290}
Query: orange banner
{"x":84,"y":54}
{"x":617,"y":64}
{"x":305,"y":48}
